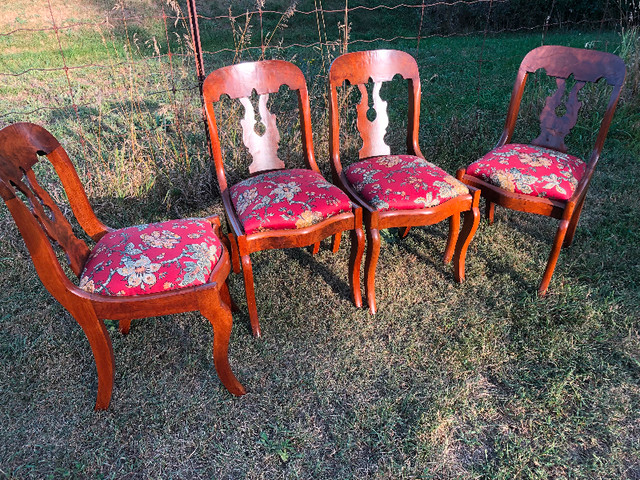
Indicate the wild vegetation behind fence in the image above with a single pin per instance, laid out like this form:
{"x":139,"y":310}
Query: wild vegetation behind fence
{"x":120,"y":79}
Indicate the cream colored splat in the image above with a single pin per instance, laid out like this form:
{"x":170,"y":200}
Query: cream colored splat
{"x":372,"y":132}
{"x":263,"y":148}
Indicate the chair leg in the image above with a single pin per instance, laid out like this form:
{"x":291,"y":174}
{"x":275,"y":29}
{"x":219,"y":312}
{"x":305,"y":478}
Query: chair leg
{"x":315,"y":248}
{"x":227,"y":298}
{"x":471,"y":222}
{"x":247,"y":271}
{"x":234,"y":254}
{"x":212,"y":307}
{"x":573,"y":224}
{"x":336,"y":242}
{"x":96,"y":332}
{"x":553,"y":257}
{"x":373,"y":252}
{"x":404,"y":231}
{"x":490,"y":210}
{"x":355,"y":260}
{"x":124,"y":326}
{"x":454,"y":230}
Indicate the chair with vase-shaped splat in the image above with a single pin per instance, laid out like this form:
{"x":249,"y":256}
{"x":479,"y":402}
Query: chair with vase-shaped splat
{"x":402,"y":190}
{"x":276,"y":207}
{"x":541,"y":177}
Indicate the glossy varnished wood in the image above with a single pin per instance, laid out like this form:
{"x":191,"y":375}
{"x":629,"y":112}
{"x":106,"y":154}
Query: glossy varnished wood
{"x":265,"y":78}
{"x":41,"y":222}
{"x":378,"y":66}
{"x":584,"y":66}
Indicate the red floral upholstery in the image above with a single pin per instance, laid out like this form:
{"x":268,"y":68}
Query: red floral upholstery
{"x":402,"y":182}
{"x":530,"y":170}
{"x":286,"y":199}
{"x":152,"y":258}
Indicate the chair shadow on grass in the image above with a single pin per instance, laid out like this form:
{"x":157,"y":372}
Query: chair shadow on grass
{"x":337,"y":281}
{"x":477,"y":250}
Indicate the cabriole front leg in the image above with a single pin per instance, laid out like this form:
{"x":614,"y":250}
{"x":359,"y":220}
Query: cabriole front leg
{"x":355,"y":261}
{"x":218,"y":313}
{"x":454,"y":230}
{"x":471,"y":222}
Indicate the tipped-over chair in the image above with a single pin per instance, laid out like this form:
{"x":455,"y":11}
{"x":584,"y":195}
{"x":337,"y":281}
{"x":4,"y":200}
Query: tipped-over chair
{"x":142,"y":271}
{"x":276,"y":207}
{"x":394,"y":190}
{"x":541,"y":177}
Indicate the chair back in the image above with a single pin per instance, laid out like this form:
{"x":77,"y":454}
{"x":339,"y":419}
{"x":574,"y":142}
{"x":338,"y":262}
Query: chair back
{"x":377,"y":66}
{"x":265,"y":78}
{"x":586,"y":66}
{"x":38,"y":217}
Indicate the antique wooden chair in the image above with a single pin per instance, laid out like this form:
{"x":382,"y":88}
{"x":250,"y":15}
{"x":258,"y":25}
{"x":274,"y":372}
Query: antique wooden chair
{"x":395,"y":190}
{"x":136,"y":272}
{"x":541,"y":177}
{"x":277,"y":207}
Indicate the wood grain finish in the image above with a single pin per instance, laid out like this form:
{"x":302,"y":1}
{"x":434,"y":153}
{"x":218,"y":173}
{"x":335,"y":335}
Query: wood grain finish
{"x":378,"y":66}
{"x":265,"y":78}
{"x":585,"y":66}
{"x":41,"y":222}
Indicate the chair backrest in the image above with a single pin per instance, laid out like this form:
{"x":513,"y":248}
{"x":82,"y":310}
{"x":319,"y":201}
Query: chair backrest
{"x":586,"y":66}
{"x":377,"y":66}
{"x":38,"y":217}
{"x":239,"y":82}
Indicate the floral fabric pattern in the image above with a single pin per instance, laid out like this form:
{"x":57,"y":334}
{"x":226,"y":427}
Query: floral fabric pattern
{"x":152,"y":258}
{"x":402,"y":182}
{"x":530,"y":170}
{"x":286,"y":200}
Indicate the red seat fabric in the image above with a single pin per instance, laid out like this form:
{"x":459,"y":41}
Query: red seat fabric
{"x":402,"y":182}
{"x":286,"y":200}
{"x":530,"y":170}
{"x":152,"y":258}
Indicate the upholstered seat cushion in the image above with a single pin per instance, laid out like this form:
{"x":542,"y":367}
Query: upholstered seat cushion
{"x":152,"y":258}
{"x":286,"y":200}
{"x":530,"y":170}
{"x":402,"y":182}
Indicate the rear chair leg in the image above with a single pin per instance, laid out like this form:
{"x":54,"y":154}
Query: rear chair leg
{"x":373,"y":252}
{"x":247,"y":271}
{"x":96,"y":332}
{"x":336,"y":242}
{"x":490,"y":210}
{"x":454,"y":230}
{"x":553,"y":257}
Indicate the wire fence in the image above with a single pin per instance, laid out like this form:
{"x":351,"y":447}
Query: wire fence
{"x":125,"y":81}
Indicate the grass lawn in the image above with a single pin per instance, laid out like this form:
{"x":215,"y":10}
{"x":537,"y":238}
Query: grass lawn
{"x":446,"y":381}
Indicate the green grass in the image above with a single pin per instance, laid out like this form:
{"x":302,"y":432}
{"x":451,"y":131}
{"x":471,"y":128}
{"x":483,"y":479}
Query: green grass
{"x":478,"y":380}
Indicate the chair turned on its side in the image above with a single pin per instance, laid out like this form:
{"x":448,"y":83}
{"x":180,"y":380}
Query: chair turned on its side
{"x":136,"y":272}
{"x":276,"y":207}
{"x":395,"y":190}
{"x":541,"y":177}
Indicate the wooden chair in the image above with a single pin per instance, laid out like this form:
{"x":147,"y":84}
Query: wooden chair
{"x":541,"y":177}
{"x":395,"y":190}
{"x":136,"y":272}
{"x":276,"y":207}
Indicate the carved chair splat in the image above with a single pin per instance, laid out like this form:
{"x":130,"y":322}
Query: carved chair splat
{"x":433,"y":195}
{"x":276,"y":207}
{"x":140,"y":292}
{"x":541,"y":177}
